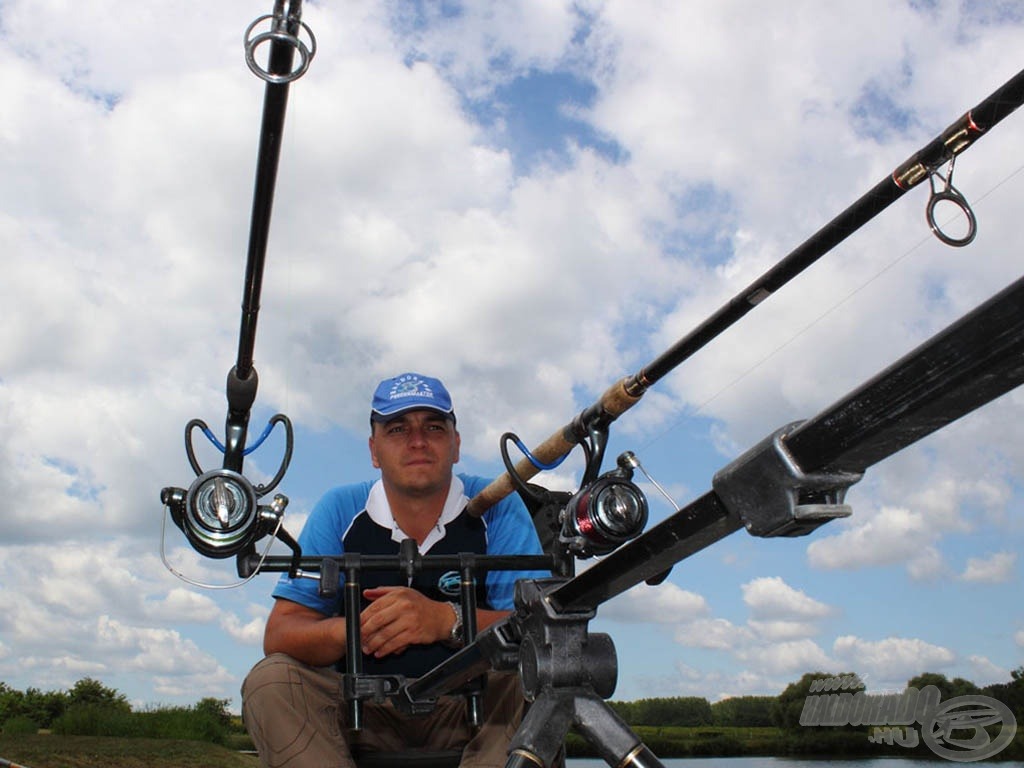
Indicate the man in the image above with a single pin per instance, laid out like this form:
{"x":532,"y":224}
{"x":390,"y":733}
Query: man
{"x":292,"y":703}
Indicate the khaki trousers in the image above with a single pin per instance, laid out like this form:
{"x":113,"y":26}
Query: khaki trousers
{"x":297,"y":718}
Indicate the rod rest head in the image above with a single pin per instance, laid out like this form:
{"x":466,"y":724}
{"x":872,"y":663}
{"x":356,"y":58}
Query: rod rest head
{"x":773,"y":496}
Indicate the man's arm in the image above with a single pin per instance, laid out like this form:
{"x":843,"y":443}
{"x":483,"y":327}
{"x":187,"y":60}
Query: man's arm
{"x":399,"y":617}
{"x":304,"y":634}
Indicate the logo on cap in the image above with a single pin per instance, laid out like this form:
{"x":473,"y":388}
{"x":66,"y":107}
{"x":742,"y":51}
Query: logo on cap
{"x":410,"y":385}
{"x":410,"y":391}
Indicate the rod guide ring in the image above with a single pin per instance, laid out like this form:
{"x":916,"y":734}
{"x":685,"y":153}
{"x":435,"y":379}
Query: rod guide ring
{"x":279,"y":33}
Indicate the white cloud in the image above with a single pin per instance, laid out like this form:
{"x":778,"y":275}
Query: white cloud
{"x":892,"y":661}
{"x":663,"y":604}
{"x":984,"y":672}
{"x":406,"y":235}
{"x":769,"y":597}
{"x":65,"y":666}
{"x":148,"y":649}
{"x":996,"y":568}
{"x":893,"y":536}
{"x":713,"y":684}
{"x":787,"y":657}
{"x":719,"y":634}
{"x":783,"y":630}
{"x":183,"y":605}
{"x":247,"y":633}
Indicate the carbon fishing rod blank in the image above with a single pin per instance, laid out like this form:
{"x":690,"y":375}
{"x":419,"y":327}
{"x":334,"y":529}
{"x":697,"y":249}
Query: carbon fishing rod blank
{"x":921,"y":165}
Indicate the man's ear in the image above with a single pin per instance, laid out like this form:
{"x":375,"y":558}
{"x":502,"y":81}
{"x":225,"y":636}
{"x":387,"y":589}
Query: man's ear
{"x":458,"y":444}
{"x":373,"y":453}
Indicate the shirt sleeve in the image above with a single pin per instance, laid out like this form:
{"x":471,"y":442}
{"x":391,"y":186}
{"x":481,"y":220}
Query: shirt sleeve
{"x":323,"y":534}
{"x":510,"y":531}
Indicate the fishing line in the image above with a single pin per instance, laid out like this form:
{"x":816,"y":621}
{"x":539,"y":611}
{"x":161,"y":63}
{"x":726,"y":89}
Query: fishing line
{"x":204,"y":585}
{"x":830,"y":310}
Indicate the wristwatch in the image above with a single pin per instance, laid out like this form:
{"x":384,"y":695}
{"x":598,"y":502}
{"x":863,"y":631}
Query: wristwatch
{"x":455,"y":637}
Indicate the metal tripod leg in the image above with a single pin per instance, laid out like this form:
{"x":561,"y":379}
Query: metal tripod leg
{"x":542,"y":733}
{"x":567,"y":673}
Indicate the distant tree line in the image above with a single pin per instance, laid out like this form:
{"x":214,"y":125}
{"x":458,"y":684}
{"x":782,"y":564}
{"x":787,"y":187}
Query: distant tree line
{"x":694,"y":711}
{"x":92,"y":709}
{"x":790,"y":703}
{"x":783,"y":711}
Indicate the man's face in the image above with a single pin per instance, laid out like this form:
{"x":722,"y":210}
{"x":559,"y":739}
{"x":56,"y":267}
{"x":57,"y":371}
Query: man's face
{"x":415,"y":452}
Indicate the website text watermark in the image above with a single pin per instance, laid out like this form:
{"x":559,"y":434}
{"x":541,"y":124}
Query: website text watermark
{"x":955,"y":729}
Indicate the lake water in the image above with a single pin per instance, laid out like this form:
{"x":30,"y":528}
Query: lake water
{"x":790,"y":762}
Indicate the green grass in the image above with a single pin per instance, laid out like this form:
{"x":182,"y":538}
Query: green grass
{"x":54,"y":751}
{"x":719,"y":741}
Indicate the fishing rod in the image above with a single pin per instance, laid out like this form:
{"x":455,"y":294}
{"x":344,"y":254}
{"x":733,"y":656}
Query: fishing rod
{"x":220,"y":513}
{"x":279,"y":73}
{"x":790,"y":483}
{"x":589,"y":428}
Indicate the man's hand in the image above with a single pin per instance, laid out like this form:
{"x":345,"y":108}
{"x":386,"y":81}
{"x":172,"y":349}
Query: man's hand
{"x":399,"y":617}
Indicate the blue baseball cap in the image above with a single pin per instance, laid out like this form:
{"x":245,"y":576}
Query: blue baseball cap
{"x":408,"y":392}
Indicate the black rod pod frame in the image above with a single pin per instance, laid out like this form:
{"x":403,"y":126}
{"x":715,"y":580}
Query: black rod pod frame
{"x":220,"y":513}
{"x":343,"y":572}
{"x":800,"y":475}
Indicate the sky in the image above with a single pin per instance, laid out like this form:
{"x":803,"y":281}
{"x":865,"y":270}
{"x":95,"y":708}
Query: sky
{"x":529,"y":199}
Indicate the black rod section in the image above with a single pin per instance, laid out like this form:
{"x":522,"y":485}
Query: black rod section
{"x":825,"y":239}
{"x":626,"y":393}
{"x":697,"y":525}
{"x":242,"y":380}
{"x":955,"y":139}
{"x":497,"y":647}
{"x":973,"y":361}
{"x":275,"y":103}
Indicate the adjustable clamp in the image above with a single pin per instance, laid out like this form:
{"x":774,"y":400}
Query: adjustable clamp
{"x":557,"y":650}
{"x":773,"y":496}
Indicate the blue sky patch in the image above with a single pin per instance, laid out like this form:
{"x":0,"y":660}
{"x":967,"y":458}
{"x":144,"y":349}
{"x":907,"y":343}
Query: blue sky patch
{"x":539,"y":116}
{"x":877,"y":114}
{"x":78,"y":487}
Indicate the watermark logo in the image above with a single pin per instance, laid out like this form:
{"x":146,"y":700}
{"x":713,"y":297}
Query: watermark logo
{"x":955,"y":729}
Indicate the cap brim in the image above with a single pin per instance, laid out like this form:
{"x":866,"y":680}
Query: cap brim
{"x":378,"y":416}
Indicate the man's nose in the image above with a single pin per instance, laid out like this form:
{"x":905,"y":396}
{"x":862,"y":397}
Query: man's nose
{"x":417,"y":435}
